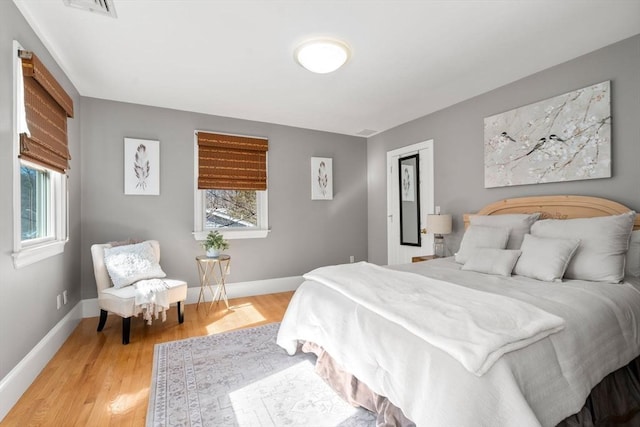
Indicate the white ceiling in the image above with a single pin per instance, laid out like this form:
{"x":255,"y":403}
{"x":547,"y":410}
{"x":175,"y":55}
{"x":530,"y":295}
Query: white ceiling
{"x":235,"y":58}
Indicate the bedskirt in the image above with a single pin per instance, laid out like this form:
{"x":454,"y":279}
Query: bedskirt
{"x":615,"y":401}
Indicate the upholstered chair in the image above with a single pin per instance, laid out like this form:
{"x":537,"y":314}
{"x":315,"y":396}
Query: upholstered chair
{"x":121,"y":301}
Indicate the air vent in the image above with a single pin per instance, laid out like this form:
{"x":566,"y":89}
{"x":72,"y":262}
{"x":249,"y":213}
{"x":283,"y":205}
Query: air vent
{"x":366,"y":132}
{"x":103,"y":7}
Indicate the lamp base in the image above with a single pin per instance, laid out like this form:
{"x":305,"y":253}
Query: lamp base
{"x":438,"y":245}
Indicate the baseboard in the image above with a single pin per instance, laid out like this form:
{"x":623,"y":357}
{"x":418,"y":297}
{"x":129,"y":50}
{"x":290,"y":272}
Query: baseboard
{"x":18,"y":380}
{"x":255,"y":287}
{"x":234,"y":290}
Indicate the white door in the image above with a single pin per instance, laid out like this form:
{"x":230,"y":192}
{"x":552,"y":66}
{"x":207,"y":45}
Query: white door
{"x":397,"y":253}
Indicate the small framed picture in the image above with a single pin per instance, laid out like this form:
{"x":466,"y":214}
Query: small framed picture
{"x":141,"y":167}
{"x":321,"y":178}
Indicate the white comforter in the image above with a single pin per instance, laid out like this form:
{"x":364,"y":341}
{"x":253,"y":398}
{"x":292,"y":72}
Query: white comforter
{"x":540,"y":384}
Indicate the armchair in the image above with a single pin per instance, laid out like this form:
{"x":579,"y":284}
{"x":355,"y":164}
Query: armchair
{"x":121,"y":301}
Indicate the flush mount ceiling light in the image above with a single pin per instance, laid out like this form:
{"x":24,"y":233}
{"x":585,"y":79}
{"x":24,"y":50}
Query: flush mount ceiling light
{"x":322,"y":55}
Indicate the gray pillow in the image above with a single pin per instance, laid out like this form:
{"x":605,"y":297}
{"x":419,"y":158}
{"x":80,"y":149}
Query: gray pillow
{"x":545,"y":258}
{"x":492,"y":261}
{"x":478,"y":236}
{"x":603,"y":244}
{"x":518,"y":224}
{"x":632,"y":263}
{"x":130,"y":263}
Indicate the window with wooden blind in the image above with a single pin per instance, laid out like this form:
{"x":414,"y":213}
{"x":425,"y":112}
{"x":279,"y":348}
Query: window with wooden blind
{"x":41,"y":160}
{"x":231,"y":185}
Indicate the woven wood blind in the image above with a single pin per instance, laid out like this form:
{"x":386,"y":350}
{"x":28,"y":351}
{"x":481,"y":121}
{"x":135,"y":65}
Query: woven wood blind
{"x":229,"y":162}
{"x":47,"y":107}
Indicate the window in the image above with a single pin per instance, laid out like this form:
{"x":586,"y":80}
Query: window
{"x":41,"y":153}
{"x":231,"y":194}
{"x":35,"y":196}
{"x":230,"y":209}
{"x":236,"y":214}
{"x":40,"y":206}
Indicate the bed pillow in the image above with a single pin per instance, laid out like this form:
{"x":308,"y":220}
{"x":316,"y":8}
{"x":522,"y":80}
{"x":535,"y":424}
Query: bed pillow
{"x":632,"y":263}
{"x":545,"y":258}
{"x":603,"y":244}
{"x":518,"y":224}
{"x":129,"y":263}
{"x":492,"y":261}
{"x":478,"y":236}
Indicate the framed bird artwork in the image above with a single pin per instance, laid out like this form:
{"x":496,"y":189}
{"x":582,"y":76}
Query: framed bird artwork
{"x":141,"y":167}
{"x":564,"y":138}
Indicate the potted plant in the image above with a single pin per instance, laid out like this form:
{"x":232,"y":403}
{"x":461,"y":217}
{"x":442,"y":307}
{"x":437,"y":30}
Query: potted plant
{"x":214,"y":244}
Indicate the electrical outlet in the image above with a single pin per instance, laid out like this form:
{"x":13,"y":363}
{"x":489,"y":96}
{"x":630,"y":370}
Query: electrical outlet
{"x":59,"y":301}
{"x":352,"y":259}
{"x":65,"y":299}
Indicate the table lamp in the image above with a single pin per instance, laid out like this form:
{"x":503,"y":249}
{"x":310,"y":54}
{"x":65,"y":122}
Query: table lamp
{"x":438,"y":225}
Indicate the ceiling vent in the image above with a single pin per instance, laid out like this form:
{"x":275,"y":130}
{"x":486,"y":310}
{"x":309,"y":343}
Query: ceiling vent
{"x":102,"y":7}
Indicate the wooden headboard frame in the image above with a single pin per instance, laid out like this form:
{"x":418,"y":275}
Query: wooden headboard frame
{"x":559,"y":207}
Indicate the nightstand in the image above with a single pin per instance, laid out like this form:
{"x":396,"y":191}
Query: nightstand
{"x":423,"y":258}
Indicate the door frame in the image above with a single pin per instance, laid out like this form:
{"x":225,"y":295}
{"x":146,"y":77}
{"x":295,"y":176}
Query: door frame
{"x":395,"y":252}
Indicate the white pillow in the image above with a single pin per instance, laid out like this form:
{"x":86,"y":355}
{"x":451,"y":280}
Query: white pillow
{"x":478,"y":236}
{"x":130,"y":263}
{"x":632,"y":263}
{"x":603,"y":244}
{"x":545,"y":258}
{"x":492,"y":261}
{"x":518,"y":224}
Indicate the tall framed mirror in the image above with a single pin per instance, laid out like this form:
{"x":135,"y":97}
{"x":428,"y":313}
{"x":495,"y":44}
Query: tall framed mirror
{"x":409,"y":170}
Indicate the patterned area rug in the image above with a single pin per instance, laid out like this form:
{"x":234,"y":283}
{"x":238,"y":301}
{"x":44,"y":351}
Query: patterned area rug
{"x":242,"y":378}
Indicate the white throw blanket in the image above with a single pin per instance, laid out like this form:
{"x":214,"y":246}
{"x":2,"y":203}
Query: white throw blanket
{"x":474,"y":327}
{"x":153,"y":298}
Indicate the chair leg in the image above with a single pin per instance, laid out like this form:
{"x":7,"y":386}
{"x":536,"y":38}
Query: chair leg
{"x":180,"y":312}
{"x":103,"y":319}
{"x":126,"y":330}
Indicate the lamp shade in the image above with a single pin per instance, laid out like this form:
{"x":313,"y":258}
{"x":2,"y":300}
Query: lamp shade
{"x":439,"y":224}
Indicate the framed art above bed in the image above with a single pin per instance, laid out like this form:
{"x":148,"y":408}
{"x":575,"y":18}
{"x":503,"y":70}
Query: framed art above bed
{"x":564,"y":138}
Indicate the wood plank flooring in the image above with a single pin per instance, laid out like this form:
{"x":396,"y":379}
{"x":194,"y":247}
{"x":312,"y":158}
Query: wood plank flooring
{"x":94,"y":380}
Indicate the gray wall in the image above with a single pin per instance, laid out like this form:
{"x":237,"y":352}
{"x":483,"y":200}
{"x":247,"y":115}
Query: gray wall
{"x":28,"y":295}
{"x":305,"y":234}
{"x":459,"y":152}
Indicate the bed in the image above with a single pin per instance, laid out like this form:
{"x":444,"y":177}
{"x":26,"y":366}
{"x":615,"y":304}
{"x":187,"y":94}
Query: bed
{"x":547,"y":343}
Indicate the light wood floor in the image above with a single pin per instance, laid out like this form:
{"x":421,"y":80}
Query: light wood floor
{"x":94,"y":380}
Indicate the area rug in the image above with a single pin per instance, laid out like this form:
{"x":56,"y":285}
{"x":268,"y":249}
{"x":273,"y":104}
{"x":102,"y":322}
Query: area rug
{"x":242,"y":378}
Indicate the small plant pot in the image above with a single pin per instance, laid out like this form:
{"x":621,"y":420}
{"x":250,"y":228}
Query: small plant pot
{"x":212,"y":252}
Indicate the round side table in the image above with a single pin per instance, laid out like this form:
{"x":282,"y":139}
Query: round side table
{"x":211,"y":276}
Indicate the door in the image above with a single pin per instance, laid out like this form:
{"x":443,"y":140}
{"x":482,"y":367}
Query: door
{"x":397,"y":253}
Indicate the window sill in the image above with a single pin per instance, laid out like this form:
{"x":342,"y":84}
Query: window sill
{"x":30,"y":255}
{"x":234,"y":234}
